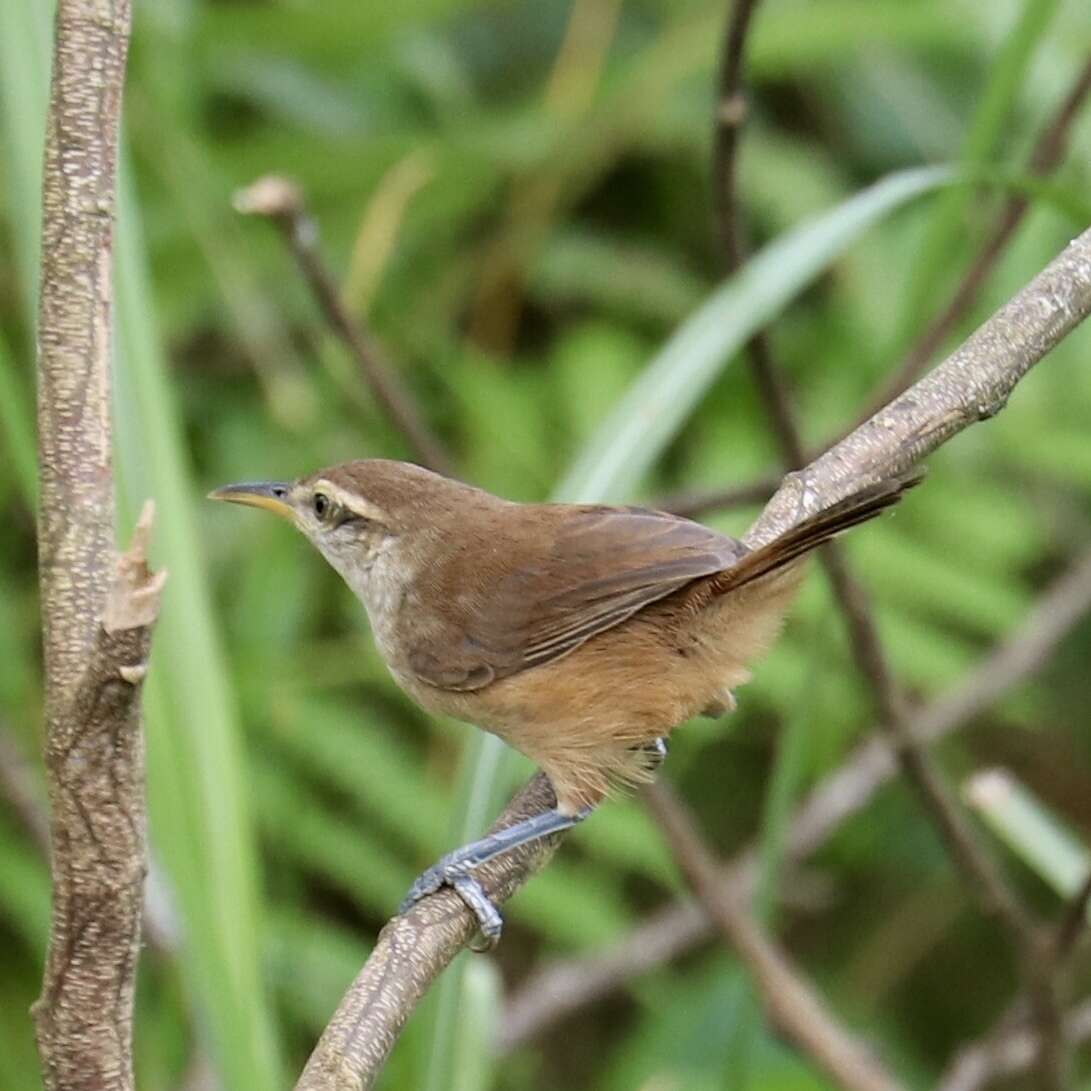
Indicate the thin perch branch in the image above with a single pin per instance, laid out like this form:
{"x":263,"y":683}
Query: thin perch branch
{"x":971,"y":385}
{"x":412,"y":950}
{"x":281,"y":201}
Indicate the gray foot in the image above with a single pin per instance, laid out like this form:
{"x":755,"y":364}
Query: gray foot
{"x":453,"y":872}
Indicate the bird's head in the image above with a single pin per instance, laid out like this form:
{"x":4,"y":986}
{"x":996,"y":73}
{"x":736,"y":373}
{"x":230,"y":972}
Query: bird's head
{"x":359,"y":512}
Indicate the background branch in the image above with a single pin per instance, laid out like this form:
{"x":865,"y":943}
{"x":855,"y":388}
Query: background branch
{"x":281,"y":202}
{"x":1007,"y":1051}
{"x":790,"y":1002}
{"x":1047,"y":154}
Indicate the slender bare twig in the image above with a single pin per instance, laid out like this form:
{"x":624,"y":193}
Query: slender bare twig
{"x":971,"y":385}
{"x":1008,"y":1051}
{"x":694,"y":504}
{"x":564,"y":987}
{"x":97,"y":620}
{"x":731,"y":111}
{"x":281,"y":201}
{"x":1073,"y":921}
{"x":793,"y":1006}
{"x":866,"y":644}
{"x":969,"y":853}
{"x":1046,"y":156}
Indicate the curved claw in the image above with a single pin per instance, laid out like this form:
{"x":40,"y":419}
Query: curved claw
{"x":449,"y":873}
{"x":454,"y":869}
{"x":488,"y":916}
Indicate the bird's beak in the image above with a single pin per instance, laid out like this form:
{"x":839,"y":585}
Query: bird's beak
{"x":271,"y":495}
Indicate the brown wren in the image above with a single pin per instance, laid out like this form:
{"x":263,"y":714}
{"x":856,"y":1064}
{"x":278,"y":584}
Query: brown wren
{"x":581,"y":634}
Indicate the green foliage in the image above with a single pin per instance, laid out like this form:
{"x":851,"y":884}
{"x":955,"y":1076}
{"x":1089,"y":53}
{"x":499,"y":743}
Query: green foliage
{"x":522,"y":214}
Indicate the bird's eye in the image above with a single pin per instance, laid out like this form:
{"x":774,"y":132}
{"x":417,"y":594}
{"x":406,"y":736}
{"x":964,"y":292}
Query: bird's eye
{"x":322,"y":505}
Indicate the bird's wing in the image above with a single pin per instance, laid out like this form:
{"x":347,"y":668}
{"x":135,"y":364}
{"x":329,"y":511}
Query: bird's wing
{"x":591,"y":569}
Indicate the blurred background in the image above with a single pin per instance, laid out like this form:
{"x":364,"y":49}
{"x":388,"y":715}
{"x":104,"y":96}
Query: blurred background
{"x":515,"y":198}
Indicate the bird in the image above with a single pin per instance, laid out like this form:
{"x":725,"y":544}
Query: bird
{"x":580,"y":634}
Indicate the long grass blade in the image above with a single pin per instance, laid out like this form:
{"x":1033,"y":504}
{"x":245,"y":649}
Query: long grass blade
{"x":197,"y":795}
{"x":655,"y":407}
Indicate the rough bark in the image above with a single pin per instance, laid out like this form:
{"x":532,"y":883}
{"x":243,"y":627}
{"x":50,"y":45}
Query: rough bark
{"x":97,"y":612}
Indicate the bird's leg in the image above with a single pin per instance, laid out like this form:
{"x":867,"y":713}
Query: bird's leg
{"x":454,"y":869}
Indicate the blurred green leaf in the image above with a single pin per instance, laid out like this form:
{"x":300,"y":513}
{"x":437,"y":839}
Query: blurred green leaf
{"x":25,"y":893}
{"x":1029,"y":830}
{"x":197,"y":781}
{"x":655,"y":407}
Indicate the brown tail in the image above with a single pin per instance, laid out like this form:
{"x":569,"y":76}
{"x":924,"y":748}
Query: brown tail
{"x":802,"y":538}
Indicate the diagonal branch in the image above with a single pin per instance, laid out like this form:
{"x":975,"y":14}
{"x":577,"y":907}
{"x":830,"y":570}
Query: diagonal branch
{"x":411,"y":951}
{"x":281,"y":201}
{"x":971,"y":385}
